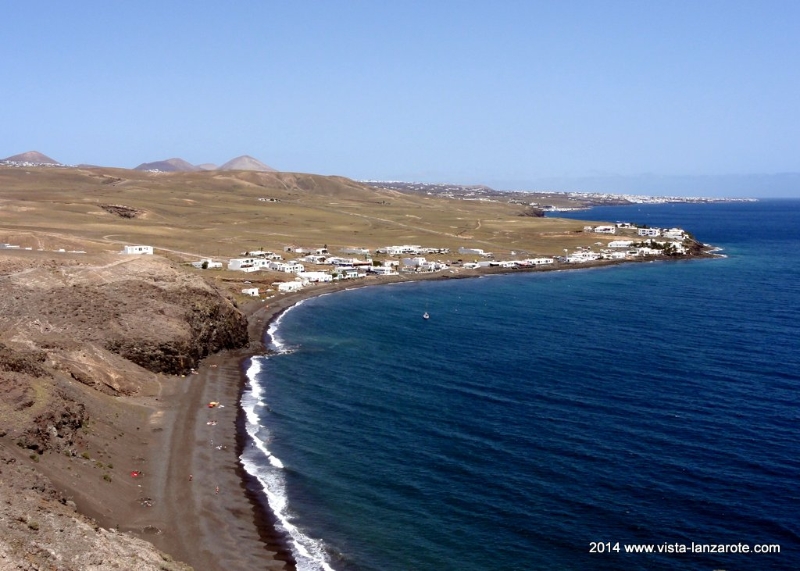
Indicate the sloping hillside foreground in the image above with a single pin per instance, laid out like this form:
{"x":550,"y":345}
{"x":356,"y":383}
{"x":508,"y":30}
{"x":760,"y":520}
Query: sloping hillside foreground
{"x":87,"y":347}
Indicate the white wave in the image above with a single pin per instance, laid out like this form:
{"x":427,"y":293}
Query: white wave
{"x":278,"y":344}
{"x":309,"y":553}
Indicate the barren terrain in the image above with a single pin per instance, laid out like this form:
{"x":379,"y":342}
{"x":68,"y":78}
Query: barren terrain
{"x":100,"y":406}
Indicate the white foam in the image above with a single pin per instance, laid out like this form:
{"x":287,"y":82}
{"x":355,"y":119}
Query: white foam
{"x":309,"y":553}
{"x":278,"y":344}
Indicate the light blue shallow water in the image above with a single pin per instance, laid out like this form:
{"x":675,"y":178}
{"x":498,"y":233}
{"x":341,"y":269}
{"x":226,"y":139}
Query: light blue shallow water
{"x":533,"y":414}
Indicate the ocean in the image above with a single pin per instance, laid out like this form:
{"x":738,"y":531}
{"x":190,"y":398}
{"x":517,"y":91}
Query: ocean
{"x":567,"y":420}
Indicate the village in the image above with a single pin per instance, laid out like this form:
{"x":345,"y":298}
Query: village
{"x":298,"y":267}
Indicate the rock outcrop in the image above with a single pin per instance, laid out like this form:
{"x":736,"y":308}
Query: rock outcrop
{"x":79,"y":336}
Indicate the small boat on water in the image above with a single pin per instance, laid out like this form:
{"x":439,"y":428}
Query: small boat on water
{"x":425,"y":315}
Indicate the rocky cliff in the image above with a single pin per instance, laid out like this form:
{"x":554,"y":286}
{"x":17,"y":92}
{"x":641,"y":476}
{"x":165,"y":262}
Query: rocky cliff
{"x":80,"y":339}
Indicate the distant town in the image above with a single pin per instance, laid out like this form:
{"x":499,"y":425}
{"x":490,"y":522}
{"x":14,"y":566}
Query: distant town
{"x":545,"y":201}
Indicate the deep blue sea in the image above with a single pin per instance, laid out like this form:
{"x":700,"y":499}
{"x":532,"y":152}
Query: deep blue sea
{"x":536,"y":413}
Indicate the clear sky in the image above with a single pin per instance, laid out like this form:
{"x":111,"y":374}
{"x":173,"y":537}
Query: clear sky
{"x":514,"y":94}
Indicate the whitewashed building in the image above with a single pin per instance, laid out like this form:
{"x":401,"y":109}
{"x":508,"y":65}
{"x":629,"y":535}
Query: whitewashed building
{"x":288,"y":287}
{"x":605,"y":230}
{"x":287,"y":267}
{"x":247,"y":264}
{"x":383,"y":270}
{"x":207,"y":263}
{"x":674,"y":234}
{"x":581,"y":257}
{"x":252,"y":291}
{"x":648,"y":251}
{"x":315,"y":277}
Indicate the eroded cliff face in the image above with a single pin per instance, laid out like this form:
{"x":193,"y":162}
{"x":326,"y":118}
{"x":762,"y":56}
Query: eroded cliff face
{"x":79,"y":338}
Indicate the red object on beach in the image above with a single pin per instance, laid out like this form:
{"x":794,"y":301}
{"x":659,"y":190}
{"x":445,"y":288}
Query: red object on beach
{"x":135,"y":473}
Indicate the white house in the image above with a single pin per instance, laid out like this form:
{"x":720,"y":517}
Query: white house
{"x":620,"y":244}
{"x":414,"y":262}
{"x":581,"y":257}
{"x":288,"y":287}
{"x":208,"y":263}
{"x":652,"y":232}
{"x":399,"y":250}
{"x":541,"y":261}
{"x":383,"y":270}
{"x":287,"y":267}
{"x":315,"y":277}
{"x":605,"y":230}
{"x":674,"y":233}
{"x":348,"y":273}
{"x":314,"y":259}
{"x":649,"y":252}
{"x":615,"y":255}
{"x":148,"y":250}
{"x":246,"y":264}
{"x":253,"y":291}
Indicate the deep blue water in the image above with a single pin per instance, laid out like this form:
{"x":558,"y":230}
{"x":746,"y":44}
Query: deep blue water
{"x":534,"y":413}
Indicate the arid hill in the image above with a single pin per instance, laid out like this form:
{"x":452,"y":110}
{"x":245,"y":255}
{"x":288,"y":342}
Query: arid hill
{"x":168,"y":165}
{"x":34,"y":157}
{"x":245,"y":163}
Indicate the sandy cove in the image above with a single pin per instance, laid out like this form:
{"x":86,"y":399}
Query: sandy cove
{"x":204,"y":509}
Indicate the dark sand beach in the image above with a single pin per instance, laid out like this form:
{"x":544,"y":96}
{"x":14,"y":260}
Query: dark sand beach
{"x":204,"y":508}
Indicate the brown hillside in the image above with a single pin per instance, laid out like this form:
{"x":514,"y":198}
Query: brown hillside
{"x":245,"y":163}
{"x":219,"y":214}
{"x":32,"y":157}
{"x":169,"y":165}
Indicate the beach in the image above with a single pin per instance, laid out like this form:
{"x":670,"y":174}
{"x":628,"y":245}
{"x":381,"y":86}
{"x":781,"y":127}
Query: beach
{"x":202,"y":507}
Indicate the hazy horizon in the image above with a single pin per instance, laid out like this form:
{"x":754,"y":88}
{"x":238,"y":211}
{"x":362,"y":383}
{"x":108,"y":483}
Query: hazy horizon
{"x":657,"y":98}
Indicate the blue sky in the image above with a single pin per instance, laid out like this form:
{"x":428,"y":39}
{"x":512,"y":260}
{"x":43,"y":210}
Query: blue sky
{"x":663,"y":96}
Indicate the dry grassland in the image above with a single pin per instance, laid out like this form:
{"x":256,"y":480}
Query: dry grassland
{"x":219,"y":215}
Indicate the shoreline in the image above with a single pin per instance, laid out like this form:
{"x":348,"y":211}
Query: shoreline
{"x":261,"y":315}
{"x":234,"y":527}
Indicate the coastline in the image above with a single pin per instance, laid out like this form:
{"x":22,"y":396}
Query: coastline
{"x":235,"y":527}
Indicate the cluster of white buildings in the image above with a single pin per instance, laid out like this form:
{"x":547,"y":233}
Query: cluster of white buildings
{"x":347,"y":268}
{"x":627,"y":249}
{"x":671,"y":233}
{"x":412,"y":250}
{"x":509,"y":264}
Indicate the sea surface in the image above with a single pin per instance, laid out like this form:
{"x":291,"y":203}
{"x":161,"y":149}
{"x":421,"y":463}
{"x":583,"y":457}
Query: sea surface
{"x":535,"y":415}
